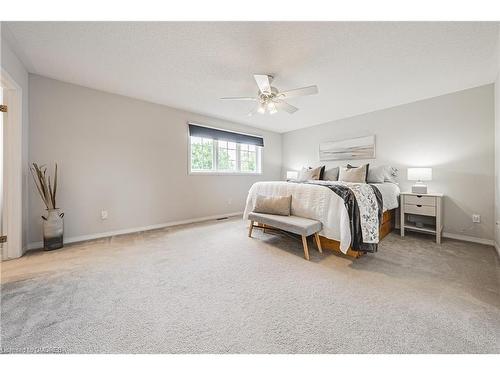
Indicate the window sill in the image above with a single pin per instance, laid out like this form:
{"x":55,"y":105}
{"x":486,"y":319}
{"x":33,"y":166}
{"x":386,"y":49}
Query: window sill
{"x":192,"y":173}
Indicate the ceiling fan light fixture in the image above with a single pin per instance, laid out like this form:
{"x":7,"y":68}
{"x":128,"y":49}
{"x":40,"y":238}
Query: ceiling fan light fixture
{"x":270,"y":99}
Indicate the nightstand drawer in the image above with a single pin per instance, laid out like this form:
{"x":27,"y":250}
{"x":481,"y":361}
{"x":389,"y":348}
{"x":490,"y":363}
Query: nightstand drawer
{"x":420,"y":199}
{"x":420,"y":209}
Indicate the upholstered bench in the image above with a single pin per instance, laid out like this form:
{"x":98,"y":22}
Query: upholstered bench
{"x":294,"y":224}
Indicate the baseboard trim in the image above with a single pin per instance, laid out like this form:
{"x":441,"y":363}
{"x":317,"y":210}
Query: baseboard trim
{"x":39,"y":245}
{"x":87,"y":237}
{"x":462,"y":237}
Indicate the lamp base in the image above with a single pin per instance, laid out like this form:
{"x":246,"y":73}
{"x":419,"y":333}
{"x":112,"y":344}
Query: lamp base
{"x":419,"y":189}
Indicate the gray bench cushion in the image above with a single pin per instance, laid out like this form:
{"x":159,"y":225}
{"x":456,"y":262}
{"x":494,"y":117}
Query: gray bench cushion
{"x":293,"y":224}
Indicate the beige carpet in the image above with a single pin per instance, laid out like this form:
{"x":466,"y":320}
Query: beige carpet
{"x":208,"y":288}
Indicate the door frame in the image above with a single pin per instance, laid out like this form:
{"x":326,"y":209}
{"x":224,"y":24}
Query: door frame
{"x":13,"y":166}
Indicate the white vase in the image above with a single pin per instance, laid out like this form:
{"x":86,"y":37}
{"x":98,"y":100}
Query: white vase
{"x":53,"y":230}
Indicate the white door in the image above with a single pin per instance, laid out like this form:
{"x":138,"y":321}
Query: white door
{"x":3,"y":219}
{"x":11,"y":167}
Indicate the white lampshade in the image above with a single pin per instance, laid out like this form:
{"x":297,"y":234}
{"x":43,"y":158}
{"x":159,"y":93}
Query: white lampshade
{"x":292,"y":175}
{"x":420,"y":174}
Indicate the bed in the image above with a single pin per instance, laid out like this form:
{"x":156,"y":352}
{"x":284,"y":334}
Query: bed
{"x":319,"y":200}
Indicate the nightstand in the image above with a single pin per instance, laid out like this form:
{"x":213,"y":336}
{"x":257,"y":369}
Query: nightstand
{"x":422,"y":213}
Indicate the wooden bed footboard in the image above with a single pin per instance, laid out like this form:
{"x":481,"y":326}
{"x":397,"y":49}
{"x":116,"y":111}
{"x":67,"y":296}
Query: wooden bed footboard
{"x":388,"y":220}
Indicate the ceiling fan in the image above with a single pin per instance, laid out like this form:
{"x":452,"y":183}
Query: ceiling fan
{"x":270,"y":99}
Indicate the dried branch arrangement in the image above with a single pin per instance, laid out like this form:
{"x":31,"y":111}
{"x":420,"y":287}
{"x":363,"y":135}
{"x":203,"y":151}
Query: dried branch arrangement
{"x":43,"y":185}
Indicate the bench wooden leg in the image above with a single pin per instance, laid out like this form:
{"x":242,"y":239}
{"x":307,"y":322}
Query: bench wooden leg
{"x":318,"y":242}
{"x":306,"y":250}
{"x":250,"y":229}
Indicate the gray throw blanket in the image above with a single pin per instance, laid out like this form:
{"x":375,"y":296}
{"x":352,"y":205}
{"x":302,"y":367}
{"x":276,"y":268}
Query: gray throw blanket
{"x":364,"y":205}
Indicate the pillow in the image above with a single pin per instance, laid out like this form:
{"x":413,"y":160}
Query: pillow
{"x":353,"y":174}
{"x":392,"y":174}
{"x":380,"y":174}
{"x":310,"y":173}
{"x":276,"y":205}
{"x":321,"y":172}
{"x":367,"y":168}
{"x":377,"y":175}
{"x":331,"y":174}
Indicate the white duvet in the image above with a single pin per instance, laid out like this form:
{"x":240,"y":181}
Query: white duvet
{"x":320,"y":203}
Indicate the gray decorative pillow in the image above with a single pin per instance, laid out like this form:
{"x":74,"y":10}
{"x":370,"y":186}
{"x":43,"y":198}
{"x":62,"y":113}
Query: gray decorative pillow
{"x":309,"y":174}
{"x":277,"y":205}
{"x":377,"y":175}
{"x":381,"y":174}
{"x":353,"y":174}
{"x":331,"y":174}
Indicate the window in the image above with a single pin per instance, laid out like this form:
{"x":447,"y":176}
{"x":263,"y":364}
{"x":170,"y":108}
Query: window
{"x":202,"y":154}
{"x":218,"y":151}
{"x":248,"y":158}
{"x":226,"y":156}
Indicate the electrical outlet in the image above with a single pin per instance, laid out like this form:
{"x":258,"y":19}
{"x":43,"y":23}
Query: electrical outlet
{"x":229,"y":201}
{"x":476,"y":218}
{"x":104,"y":214}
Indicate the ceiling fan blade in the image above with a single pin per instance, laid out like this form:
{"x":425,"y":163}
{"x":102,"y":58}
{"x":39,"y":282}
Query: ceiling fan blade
{"x":303,"y":91}
{"x":263,"y":82}
{"x":284,"y":106}
{"x":239,"y":98}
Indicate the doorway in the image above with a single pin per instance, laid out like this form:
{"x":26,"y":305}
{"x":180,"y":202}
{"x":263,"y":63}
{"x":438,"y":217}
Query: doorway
{"x":3,"y":229}
{"x":11,"y":170}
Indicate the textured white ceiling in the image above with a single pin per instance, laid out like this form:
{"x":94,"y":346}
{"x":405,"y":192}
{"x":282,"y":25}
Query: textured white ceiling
{"x":358,"y":66}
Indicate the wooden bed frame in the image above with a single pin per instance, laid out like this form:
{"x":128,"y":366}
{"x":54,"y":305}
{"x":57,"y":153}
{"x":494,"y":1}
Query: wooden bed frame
{"x":388,"y":220}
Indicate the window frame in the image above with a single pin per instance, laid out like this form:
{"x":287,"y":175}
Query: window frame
{"x":216,"y":157}
{"x":215,"y":172}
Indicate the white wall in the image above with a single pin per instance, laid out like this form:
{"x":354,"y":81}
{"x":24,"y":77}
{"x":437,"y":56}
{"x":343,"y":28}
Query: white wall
{"x":129,"y":157}
{"x":453,"y":134}
{"x":15,"y":68}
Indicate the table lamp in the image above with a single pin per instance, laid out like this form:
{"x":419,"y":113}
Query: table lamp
{"x":419,"y":175}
